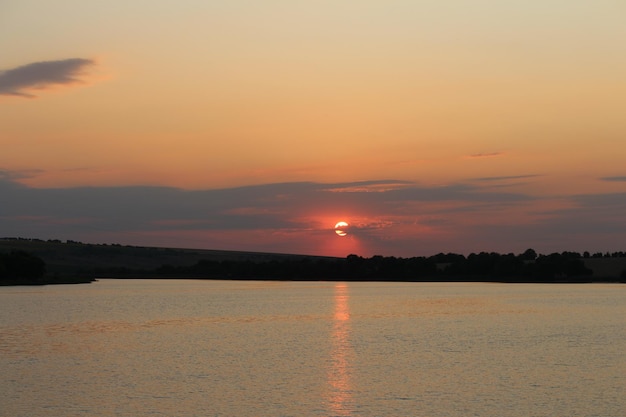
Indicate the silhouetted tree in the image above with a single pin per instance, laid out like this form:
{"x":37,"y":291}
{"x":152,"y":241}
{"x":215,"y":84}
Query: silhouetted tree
{"x":528,"y":255}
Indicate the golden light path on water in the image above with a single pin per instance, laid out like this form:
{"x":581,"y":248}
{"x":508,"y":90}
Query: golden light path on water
{"x":340,"y":394}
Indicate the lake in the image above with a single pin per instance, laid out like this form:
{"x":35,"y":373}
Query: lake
{"x":261,"y":348}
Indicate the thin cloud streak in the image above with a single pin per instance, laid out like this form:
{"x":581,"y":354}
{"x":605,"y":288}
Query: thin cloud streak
{"x":485,"y":155}
{"x":42,"y":75}
{"x":505,"y":178}
{"x":369,"y":186}
{"x":614,"y":179}
{"x":15,"y":175}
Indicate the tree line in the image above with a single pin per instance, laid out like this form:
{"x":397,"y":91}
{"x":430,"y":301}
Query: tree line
{"x":484,"y":266}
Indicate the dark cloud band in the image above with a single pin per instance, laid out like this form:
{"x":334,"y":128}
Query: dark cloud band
{"x":281,"y":216}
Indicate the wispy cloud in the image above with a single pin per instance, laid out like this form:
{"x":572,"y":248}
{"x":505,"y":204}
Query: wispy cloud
{"x":41,"y":75}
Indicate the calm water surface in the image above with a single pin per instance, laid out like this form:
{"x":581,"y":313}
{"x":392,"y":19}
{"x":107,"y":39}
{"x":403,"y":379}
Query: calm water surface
{"x":223,"y":348}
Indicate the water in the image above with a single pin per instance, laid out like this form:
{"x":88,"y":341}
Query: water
{"x":220,"y":348}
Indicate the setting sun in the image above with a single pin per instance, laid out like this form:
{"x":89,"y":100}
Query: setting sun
{"x":340,"y":228}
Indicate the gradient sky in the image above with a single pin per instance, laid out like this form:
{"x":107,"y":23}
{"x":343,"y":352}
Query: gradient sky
{"x":429,"y":126}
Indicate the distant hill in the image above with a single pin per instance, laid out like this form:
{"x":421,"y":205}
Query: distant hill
{"x":72,"y":258}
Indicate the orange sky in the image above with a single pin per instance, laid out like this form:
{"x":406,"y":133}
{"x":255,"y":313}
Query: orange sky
{"x":504,"y":98}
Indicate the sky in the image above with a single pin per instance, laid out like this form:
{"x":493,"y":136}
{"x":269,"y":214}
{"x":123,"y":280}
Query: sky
{"x":428,"y":126}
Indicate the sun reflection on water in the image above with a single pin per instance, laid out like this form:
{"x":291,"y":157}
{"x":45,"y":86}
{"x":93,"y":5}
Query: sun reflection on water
{"x":340,"y":388}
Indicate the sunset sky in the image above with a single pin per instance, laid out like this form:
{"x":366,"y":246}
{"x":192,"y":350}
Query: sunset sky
{"x":429,"y":126}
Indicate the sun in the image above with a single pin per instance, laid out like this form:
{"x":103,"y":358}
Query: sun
{"x":340,"y":228}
